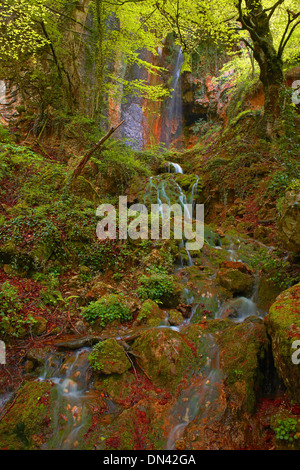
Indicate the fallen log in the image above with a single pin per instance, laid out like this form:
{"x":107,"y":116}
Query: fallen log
{"x":88,"y":155}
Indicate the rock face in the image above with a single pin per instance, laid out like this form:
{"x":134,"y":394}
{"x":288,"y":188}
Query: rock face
{"x":289,"y":221}
{"x":284,"y":328}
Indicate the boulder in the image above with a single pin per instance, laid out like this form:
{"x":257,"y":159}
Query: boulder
{"x":283,"y":323}
{"x":108,"y":357}
{"x":150,"y":314}
{"x":289,"y":220}
{"x":164,"y":355}
{"x":235,"y":279}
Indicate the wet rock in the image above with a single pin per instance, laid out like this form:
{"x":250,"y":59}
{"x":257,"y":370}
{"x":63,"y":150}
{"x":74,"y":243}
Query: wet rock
{"x":267,"y":292}
{"x":38,"y":355}
{"x":164,"y":356}
{"x":27,"y":424}
{"x":283,"y":323}
{"x":108,"y":357}
{"x":150,"y":314}
{"x":235,"y":279}
{"x":175,"y":318}
{"x":289,"y":220}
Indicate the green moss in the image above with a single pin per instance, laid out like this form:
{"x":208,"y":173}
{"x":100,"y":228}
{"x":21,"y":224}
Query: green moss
{"x":284,"y":328}
{"x":28,"y":422}
{"x":111,"y":307}
{"x":108,"y":357}
{"x":243,"y":348}
{"x":164,"y":355}
{"x":161,"y":288}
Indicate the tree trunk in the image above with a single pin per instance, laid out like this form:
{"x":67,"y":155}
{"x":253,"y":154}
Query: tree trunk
{"x":78,"y":170}
{"x":257,"y":22}
{"x":272,"y":78}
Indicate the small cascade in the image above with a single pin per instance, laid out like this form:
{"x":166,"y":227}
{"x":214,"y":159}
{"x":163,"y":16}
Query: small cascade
{"x":199,"y":397}
{"x":167,"y":191}
{"x":71,"y":381}
{"x":176,"y":167}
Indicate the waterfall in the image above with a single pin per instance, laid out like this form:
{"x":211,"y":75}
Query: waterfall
{"x":171,"y":129}
{"x":177,"y":168}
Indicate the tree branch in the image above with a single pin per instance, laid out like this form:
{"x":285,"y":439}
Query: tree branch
{"x":286,"y":36}
{"x":89,"y":154}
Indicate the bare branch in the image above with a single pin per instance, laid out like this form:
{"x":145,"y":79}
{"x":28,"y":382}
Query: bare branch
{"x":273,"y":8}
{"x":287,"y":34}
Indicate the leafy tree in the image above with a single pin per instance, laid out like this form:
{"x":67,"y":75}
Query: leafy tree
{"x":74,"y":54}
{"x":267,"y":28}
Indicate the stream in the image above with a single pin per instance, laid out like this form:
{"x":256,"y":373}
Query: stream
{"x":71,"y":377}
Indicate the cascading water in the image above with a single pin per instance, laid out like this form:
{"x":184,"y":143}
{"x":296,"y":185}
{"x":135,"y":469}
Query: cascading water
{"x":72,"y":391}
{"x":199,"y":396}
{"x":168,"y":191}
{"x":176,"y":167}
{"x":172,"y":125}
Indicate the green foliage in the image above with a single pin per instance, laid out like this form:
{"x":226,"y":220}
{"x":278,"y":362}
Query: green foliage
{"x":287,"y":430}
{"x":106,"y":310}
{"x":157,"y":287}
{"x":4,"y":134}
{"x":275,"y":266}
{"x":12,"y":321}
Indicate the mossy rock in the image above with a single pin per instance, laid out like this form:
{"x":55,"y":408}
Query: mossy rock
{"x":235,"y":281}
{"x":289,"y":220}
{"x":150,"y":314}
{"x":243,"y":348}
{"x":283,"y":324}
{"x":175,"y":318}
{"x":27,"y":425}
{"x":117,"y":386}
{"x":164,"y":355}
{"x":22,"y":261}
{"x":267,"y":293}
{"x":108,"y":357}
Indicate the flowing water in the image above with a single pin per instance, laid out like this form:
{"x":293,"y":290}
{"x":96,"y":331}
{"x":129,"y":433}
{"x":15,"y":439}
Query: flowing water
{"x":71,"y":380}
{"x":172,"y":127}
{"x":196,"y":401}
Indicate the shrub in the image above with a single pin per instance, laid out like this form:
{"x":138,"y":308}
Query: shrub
{"x":161,"y":288}
{"x":286,"y":430}
{"x":109,"y":308}
{"x":12,"y":321}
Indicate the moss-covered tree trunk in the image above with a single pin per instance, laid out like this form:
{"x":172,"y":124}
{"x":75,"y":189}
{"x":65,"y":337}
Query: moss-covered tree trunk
{"x":272,"y":78}
{"x":256,"y":21}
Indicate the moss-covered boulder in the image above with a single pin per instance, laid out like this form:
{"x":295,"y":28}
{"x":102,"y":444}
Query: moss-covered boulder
{"x":244,"y":347}
{"x":175,"y":318}
{"x":236,"y":278}
{"x":150,"y":314}
{"x":27,"y":425}
{"x":108,"y":357}
{"x":283,"y":324}
{"x":164,"y":355}
{"x":289,"y":220}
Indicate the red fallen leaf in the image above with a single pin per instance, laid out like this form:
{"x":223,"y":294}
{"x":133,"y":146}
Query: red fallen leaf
{"x":63,"y":417}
